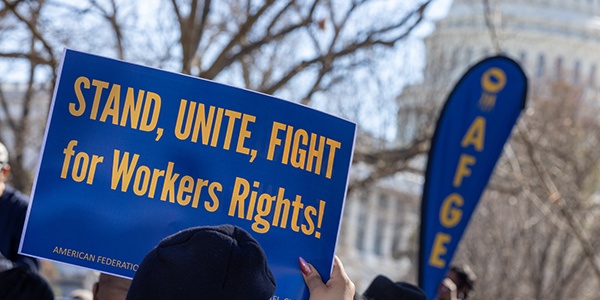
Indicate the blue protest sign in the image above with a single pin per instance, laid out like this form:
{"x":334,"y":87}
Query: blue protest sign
{"x":471,"y":131}
{"x":133,"y":154}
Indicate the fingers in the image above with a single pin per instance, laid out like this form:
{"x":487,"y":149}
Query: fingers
{"x":311,"y":276}
{"x":338,"y":287}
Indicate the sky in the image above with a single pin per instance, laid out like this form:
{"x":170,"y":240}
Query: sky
{"x":410,"y":60}
{"x":411,"y":68}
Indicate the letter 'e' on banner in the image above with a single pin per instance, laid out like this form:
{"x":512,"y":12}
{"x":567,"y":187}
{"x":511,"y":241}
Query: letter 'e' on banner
{"x":472,"y":128}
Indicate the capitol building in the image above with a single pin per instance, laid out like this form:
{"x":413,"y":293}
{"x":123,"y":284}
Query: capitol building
{"x":551,"y":39}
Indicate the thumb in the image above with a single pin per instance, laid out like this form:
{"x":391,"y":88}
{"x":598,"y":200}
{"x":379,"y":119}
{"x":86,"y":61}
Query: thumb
{"x":311,"y":276}
{"x":338,"y":269}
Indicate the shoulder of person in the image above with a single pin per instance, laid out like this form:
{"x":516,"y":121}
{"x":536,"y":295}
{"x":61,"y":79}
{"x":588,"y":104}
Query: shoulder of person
{"x":13,"y":195}
{"x":13,"y":202}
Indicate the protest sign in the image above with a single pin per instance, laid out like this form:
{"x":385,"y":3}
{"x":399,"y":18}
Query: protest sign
{"x":473,"y":126}
{"x":132,"y":154}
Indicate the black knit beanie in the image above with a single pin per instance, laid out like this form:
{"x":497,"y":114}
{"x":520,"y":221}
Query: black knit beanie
{"x":382,"y":288}
{"x":211,"y":262}
{"x":20,"y":283}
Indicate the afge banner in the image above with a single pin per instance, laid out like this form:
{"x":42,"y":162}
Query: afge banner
{"x":133,"y":154}
{"x":473,"y":126}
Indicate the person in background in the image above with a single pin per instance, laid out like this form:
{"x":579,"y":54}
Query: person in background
{"x":80,"y":294}
{"x":206,"y":262}
{"x":222,"y":262}
{"x":21,"y":283}
{"x":13,"y":209}
{"x":109,"y":287}
{"x":383,"y":288}
{"x":458,"y":283}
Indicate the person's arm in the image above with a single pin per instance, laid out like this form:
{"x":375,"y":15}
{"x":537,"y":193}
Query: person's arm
{"x":339,"y":286}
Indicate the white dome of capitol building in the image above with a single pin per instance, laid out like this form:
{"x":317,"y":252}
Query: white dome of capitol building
{"x":547,"y":37}
{"x":550,"y":39}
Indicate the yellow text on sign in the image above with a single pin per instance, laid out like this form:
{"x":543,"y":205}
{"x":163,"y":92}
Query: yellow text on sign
{"x":136,"y":109}
{"x":303,"y":150}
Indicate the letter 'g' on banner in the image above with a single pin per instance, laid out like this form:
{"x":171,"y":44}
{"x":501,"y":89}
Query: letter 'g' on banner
{"x":472,"y":128}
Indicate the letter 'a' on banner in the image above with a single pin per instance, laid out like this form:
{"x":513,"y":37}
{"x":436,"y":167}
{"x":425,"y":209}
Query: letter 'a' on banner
{"x":472,"y":128}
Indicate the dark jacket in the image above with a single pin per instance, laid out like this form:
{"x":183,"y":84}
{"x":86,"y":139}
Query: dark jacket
{"x":13,"y":209}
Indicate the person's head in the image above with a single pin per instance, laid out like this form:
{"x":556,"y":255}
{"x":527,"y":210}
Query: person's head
{"x":4,"y":166}
{"x":209,"y":262}
{"x":382,"y":288}
{"x":81,"y":294}
{"x":109,"y":287}
{"x":461,"y":282}
{"x":22,"y":283}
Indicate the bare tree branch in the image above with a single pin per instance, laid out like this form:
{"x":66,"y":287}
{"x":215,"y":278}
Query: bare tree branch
{"x":491,"y":27}
{"x":34,"y":31}
{"x":327,"y":60}
{"x":554,"y":196}
{"x":112,"y":18}
{"x":224,"y":59}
